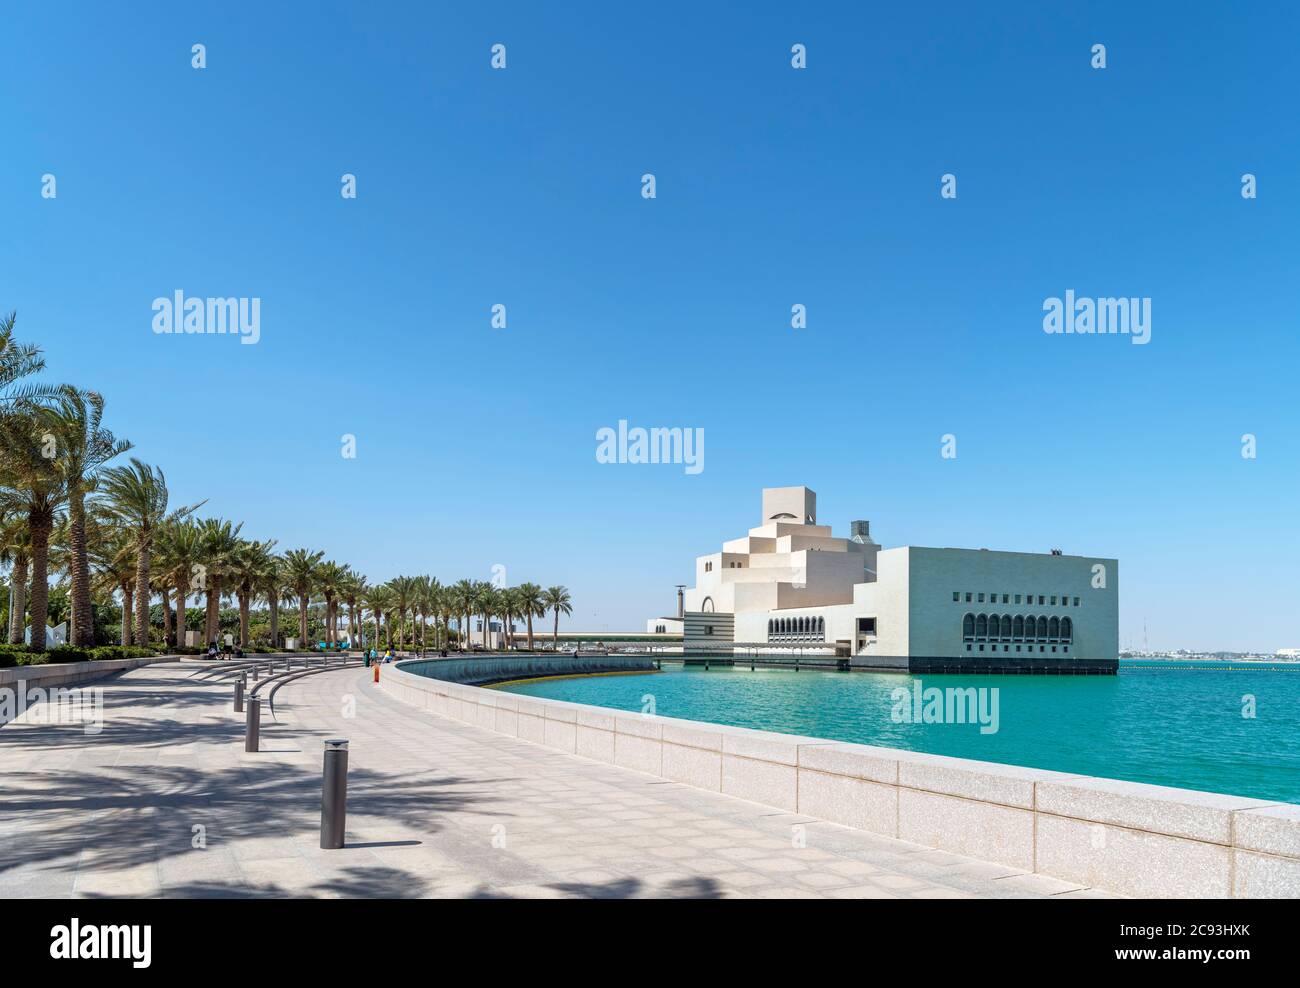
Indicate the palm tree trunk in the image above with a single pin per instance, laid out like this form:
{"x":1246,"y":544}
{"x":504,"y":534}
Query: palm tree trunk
{"x":302,"y":619}
{"x":180,"y":614}
{"x":243,"y":618}
{"x":143,"y":546}
{"x":39,"y":524}
{"x":17,"y":617}
{"x":209,"y":630}
{"x":273,"y":604}
{"x":167,"y":616}
{"x":530,"y":629}
{"x":555,"y":640}
{"x":127,"y":605}
{"x":83,"y":620}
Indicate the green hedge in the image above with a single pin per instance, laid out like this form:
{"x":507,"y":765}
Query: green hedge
{"x":14,"y":655}
{"x":25,"y":655}
{"x":103,"y":652}
{"x":67,"y":653}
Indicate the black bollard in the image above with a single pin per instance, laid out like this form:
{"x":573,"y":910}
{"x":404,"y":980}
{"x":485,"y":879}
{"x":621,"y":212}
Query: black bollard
{"x":334,"y":794}
{"x":252,"y":723}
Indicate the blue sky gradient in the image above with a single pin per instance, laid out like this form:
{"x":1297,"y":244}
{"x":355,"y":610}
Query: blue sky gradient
{"x":775,"y":186}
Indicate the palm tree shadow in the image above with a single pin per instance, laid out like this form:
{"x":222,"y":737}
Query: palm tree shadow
{"x":150,"y":813}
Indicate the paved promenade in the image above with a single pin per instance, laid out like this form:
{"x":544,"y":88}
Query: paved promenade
{"x":165,"y":802}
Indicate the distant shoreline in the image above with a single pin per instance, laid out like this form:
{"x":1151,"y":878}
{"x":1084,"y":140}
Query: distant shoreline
{"x":1221,"y":657}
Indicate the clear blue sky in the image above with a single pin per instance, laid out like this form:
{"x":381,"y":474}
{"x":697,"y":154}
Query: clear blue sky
{"x":775,"y":186}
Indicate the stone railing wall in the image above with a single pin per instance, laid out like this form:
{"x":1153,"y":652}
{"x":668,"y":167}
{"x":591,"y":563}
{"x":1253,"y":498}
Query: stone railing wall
{"x":1123,"y":837}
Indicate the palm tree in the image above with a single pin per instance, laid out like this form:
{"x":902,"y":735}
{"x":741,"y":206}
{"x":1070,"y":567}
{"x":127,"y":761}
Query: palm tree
{"x":178,"y":548}
{"x":17,"y":401}
{"x":16,"y":549}
{"x":350,"y":591}
{"x":446,"y":606}
{"x":113,"y":554}
{"x":462,"y":597}
{"x":485,"y":602}
{"x":403,"y":596}
{"x":300,"y":573}
{"x":248,"y":568}
{"x":17,"y":361}
{"x":329,"y":579}
{"x":82,"y":447}
{"x":219,"y":541}
{"x":379,"y":600}
{"x":136,"y":495}
{"x":426,"y":601}
{"x":557,"y":599}
{"x":532,"y":603}
{"x":30,"y":484}
{"x":510,"y":609}
{"x":271,"y":587}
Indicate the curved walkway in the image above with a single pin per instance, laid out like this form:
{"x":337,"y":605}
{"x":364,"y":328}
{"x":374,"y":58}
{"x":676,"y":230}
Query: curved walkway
{"x":166,"y":802}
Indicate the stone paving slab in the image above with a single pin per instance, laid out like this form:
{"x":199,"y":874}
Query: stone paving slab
{"x":165,"y":802}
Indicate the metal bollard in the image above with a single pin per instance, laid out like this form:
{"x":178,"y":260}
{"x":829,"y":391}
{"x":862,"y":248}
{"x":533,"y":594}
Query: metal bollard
{"x":255,"y":673}
{"x":334,"y":794}
{"x":252,"y":723}
{"x":239,"y":694}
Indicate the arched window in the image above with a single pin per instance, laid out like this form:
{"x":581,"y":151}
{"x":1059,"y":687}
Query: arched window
{"x":968,"y":626}
{"x":821,"y":625}
{"x":1031,"y":628}
{"x":1067,"y":629}
{"x":1054,"y":628}
{"x":1042,"y":627}
{"x":1006,"y":625}
{"x":1018,"y":627}
{"x":982,"y":626}
{"x":769,"y":626}
{"x":784,"y":625}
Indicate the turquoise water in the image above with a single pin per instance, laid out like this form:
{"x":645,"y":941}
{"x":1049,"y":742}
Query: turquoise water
{"x":1165,"y":723}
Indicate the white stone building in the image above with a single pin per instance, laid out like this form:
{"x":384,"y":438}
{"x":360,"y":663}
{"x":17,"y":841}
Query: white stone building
{"x":790,"y":582}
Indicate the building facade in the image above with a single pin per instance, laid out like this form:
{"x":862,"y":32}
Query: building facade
{"x":791,"y":583}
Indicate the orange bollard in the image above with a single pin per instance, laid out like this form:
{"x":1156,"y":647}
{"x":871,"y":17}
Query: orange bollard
{"x":376,"y":672}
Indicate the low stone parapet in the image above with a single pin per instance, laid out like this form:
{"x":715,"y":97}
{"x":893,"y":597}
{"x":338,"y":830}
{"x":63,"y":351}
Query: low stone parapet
{"x":72,"y":673}
{"x":1123,"y":837}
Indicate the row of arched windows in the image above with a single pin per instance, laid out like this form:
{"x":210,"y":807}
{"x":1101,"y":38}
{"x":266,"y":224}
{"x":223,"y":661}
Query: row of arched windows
{"x":977,"y":627}
{"x":796,"y":627}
